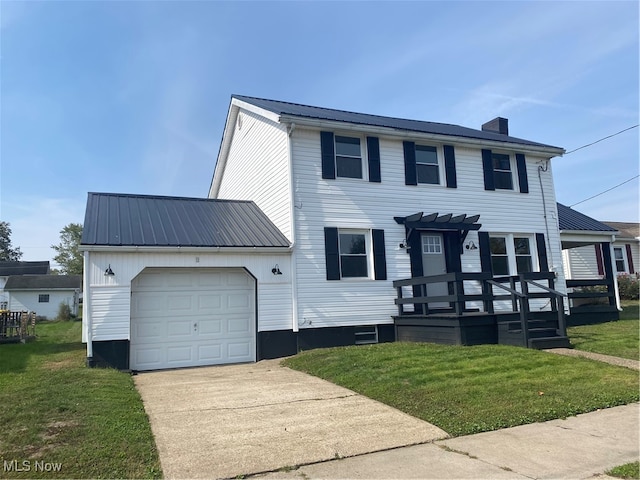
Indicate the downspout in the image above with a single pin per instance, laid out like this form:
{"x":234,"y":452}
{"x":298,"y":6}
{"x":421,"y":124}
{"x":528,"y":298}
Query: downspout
{"x":86,"y":307}
{"x":544,"y":208}
{"x":616,"y":289}
{"x":294,"y":276}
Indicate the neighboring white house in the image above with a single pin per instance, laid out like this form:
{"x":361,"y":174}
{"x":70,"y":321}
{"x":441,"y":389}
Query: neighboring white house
{"x":351,"y":203}
{"x":43,"y":294}
{"x":626,"y":248}
{"x":8,"y":269}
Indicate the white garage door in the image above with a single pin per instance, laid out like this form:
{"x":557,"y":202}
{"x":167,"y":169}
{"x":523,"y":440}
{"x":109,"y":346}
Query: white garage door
{"x":183,"y":317}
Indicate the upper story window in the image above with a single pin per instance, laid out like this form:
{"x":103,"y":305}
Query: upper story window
{"x":511,"y":254}
{"x":499,"y":169}
{"x":427,"y":166}
{"x":43,"y":298}
{"x":502,"y":177}
{"x":348,"y":157}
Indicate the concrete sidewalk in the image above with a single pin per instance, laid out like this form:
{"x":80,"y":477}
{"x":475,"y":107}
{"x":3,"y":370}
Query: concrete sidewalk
{"x":579,"y":447}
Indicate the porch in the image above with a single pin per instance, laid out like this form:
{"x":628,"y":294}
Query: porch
{"x":523,"y":310}
{"x":16,"y":327}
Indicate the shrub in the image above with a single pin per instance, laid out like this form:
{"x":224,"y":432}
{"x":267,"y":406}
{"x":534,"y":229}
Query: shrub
{"x":628,"y":286}
{"x":64,"y":312}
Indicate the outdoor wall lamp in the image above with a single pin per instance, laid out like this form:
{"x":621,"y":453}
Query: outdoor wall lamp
{"x":276,"y":270}
{"x":471,"y":246}
{"x":108,"y":272}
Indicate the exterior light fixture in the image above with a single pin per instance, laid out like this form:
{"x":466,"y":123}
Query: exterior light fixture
{"x":471,"y":246}
{"x":108,"y":272}
{"x":276,"y":270}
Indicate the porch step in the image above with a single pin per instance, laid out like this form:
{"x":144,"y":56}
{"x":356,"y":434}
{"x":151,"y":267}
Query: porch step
{"x":542,"y":343}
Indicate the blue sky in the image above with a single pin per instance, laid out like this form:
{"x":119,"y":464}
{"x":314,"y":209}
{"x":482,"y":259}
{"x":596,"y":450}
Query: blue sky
{"x":132,"y":97}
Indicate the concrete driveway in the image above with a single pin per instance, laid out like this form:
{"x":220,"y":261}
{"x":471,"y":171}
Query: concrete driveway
{"x":227,"y":421}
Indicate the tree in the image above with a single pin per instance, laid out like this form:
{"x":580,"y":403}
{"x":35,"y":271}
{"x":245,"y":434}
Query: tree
{"x":7,"y":252}
{"x":69,"y":256}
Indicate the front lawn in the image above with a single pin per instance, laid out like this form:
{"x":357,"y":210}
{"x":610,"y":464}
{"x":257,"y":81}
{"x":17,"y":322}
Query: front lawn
{"x":466,"y":390}
{"x":620,"y":338}
{"x":61,"y":419}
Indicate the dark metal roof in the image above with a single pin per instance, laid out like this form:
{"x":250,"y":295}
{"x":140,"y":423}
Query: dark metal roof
{"x":145,"y":220}
{"x":626,"y":229}
{"x":570,"y":219}
{"x":23,"y":268}
{"x":306,"y":111}
{"x":44,"y":282}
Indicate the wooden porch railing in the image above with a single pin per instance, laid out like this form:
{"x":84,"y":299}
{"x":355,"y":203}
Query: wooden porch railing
{"x":17,"y":326}
{"x":457,"y":298}
{"x":592,"y":291}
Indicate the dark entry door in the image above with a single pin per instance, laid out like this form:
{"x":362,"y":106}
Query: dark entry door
{"x":434,"y":263}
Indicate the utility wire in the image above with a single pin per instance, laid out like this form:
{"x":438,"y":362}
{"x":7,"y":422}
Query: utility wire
{"x":597,"y":141}
{"x":601,"y":193}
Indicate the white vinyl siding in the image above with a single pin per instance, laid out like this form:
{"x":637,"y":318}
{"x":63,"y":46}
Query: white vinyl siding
{"x":257,"y":168}
{"x":582,"y":262}
{"x":29,"y":300}
{"x":109,"y":297}
{"x":373,"y":205}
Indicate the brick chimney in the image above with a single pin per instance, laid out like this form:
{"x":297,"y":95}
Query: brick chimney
{"x":497,"y":125}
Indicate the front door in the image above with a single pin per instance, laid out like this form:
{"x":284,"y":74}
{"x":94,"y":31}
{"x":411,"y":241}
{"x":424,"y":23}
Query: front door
{"x":434,"y":263}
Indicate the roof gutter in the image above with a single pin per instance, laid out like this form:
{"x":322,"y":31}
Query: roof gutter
{"x":176,"y":249}
{"x":473,"y":142}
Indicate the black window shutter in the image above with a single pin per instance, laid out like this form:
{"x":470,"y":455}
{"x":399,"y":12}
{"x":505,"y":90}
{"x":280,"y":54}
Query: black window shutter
{"x":542,"y":252}
{"x":410,"y":173}
{"x":327,"y":150}
{"x":450,"y":166}
{"x":522,"y":173}
{"x":485,"y":252}
{"x":379,"y":256}
{"x":373,"y":154}
{"x":332,"y":257}
{"x":487,"y":167}
{"x":630,"y":258}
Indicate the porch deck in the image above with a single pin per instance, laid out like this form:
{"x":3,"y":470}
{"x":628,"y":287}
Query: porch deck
{"x":592,"y":301}
{"x":16,"y":327}
{"x":498,"y":310}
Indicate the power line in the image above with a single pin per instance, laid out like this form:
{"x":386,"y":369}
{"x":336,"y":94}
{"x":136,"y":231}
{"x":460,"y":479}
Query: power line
{"x":597,"y":141}
{"x":602,"y":193}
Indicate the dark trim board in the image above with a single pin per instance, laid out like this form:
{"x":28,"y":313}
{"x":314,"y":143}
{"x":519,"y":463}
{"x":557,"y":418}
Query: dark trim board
{"x":277,"y":344}
{"x":448,"y":330}
{"x":110,"y":354}
{"x":272,"y":344}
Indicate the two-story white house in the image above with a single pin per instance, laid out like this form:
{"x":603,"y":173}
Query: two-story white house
{"x":371,"y":229}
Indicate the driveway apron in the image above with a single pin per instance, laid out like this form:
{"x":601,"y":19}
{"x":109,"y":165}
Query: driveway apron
{"x":227,"y":421}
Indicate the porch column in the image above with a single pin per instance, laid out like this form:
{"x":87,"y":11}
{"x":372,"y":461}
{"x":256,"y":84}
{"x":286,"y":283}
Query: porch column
{"x":609,"y":273}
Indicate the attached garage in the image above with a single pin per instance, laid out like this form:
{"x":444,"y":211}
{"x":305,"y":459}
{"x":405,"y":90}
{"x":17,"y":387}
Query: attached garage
{"x":184,"y":317}
{"x":181,"y":282}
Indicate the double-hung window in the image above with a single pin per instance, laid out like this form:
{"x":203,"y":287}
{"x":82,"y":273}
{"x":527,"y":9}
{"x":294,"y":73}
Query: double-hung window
{"x":348,"y":157}
{"x":356,"y":254}
{"x":618,"y":256}
{"x":427,"y":166}
{"x":502,"y":176}
{"x":511,"y":254}
{"x":353,"y":254}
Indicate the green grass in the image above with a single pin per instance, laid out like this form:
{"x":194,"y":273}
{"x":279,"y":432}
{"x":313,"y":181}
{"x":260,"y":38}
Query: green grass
{"x":629,"y":470}
{"x":53,"y":409}
{"x":466,"y":390}
{"x":619,"y":338}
